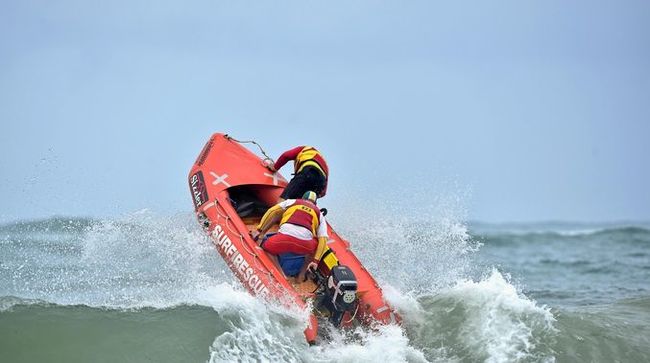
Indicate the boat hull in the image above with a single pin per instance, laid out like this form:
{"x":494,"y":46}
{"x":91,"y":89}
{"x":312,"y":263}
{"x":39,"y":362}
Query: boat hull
{"x":231,"y":189}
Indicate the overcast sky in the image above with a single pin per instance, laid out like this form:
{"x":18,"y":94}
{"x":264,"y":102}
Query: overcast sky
{"x":521,"y":110}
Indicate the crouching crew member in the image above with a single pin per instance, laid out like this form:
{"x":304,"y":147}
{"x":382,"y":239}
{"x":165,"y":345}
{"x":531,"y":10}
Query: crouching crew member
{"x":303,"y":231}
{"x":310,"y":172}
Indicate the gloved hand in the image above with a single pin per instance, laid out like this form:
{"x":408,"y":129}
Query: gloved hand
{"x":269,"y":164}
{"x":255,"y":234}
{"x":311,"y":268}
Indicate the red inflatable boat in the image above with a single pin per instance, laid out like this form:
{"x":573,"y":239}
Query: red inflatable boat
{"x":231,"y":190}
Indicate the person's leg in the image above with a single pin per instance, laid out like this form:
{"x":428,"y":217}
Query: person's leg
{"x":296,"y":187}
{"x":270,"y":254}
{"x":321,"y":181}
{"x":282,"y":243}
{"x":315,"y":180}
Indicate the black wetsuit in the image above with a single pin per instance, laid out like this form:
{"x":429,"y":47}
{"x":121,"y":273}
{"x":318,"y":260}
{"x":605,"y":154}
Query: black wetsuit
{"x":308,"y":179}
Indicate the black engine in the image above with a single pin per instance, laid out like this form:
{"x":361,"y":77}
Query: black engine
{"x":338,"y":293}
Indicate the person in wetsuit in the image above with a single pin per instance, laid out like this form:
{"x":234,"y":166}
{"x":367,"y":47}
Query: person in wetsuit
{"x":310,"y":172}
{"x":303,"y":230}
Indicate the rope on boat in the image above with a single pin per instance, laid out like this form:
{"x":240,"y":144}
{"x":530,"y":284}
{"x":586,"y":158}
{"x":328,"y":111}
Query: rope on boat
{"x":266,"y":157}
{"x":227,"y":218}
{"x":241,"y":236}
{"x":265,"y":270}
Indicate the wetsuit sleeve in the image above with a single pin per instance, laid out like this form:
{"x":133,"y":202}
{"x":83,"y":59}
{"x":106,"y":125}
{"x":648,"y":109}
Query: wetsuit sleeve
{"x":322,"y":238}
{"x":286,"y":156}
{"x":274,"y":214}
{"x":320,"y":249}
{"x":270,"y":217}
{"x":322,"y":227}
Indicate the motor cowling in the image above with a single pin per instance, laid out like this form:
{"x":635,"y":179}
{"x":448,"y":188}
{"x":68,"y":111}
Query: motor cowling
{"x":340,"y":293}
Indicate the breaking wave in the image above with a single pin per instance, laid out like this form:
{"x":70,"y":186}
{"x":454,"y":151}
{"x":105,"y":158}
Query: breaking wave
{"x":452,"y":309}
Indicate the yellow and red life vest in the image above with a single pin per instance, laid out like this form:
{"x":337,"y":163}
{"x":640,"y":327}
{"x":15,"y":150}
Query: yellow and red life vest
{"x":327,"y":262}
{"x":306,"y":214}
{"x":309,"y":156}
{"x":302,"y":213}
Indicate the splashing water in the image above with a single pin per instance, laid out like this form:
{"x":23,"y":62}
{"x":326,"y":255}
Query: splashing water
{"x":140,"y":260}
{"x":497,"y":323}
{"x":146,"y":261}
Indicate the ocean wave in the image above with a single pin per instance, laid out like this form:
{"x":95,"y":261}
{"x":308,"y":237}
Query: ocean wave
{"x":54,"y":333}
{"x":615,"y":332}
{"x":475,"y":320}
{"x":259,"y":331}
{"x":631,"y":234}
{"x":161,"y":264}
{"x":641,"y":302}
{"x":485,"y":320}
{"x":140,"y":260}
{"x":8,"y":302}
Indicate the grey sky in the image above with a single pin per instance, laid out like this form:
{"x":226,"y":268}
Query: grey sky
{"x":537,"y":110}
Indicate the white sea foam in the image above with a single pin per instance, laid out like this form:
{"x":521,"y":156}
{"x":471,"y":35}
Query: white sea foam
{"x":265,"y":332}
{"x":140,"y":260}
{"x":144,"y":260}
{"x":258,"y":331}
{"x":387,"y":343}
{"x":413,"y":256}
{"x":404,"y":302}
{"x":500,"y":321}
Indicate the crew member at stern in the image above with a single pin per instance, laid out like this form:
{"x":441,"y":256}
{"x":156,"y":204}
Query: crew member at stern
{"x":303,"y":230}
{"x":310,"y":171}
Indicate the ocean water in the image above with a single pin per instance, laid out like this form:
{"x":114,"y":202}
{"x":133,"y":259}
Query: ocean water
{"x":150,"y":288}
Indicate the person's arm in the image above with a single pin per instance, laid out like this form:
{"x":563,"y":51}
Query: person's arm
{"x":312,"y":264}
{"x":286,"y":156}
{"x":272,"y":216}
{"x":321,"y":235}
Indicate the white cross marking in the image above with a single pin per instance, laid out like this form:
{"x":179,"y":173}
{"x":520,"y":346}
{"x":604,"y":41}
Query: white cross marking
{"x":275,"y":177}
{"x":220,"y":179}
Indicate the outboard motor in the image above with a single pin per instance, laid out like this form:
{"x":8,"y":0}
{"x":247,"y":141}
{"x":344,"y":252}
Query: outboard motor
{"x":339,"y":293}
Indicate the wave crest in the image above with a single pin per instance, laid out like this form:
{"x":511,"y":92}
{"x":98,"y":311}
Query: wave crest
{"x":486,"y":320}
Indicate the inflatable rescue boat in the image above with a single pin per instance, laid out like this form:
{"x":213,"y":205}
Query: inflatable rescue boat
{"x":232,"y":189}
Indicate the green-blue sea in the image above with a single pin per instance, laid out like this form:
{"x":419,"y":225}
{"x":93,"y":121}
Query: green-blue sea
{"x":150,"y":288}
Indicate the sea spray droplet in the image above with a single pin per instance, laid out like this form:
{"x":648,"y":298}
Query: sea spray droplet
{"x":419,"y":257}
{"x":135,"y":261}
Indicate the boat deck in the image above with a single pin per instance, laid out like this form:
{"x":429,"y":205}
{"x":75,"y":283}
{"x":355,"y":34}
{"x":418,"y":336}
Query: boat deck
{"x":305,"y":288}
